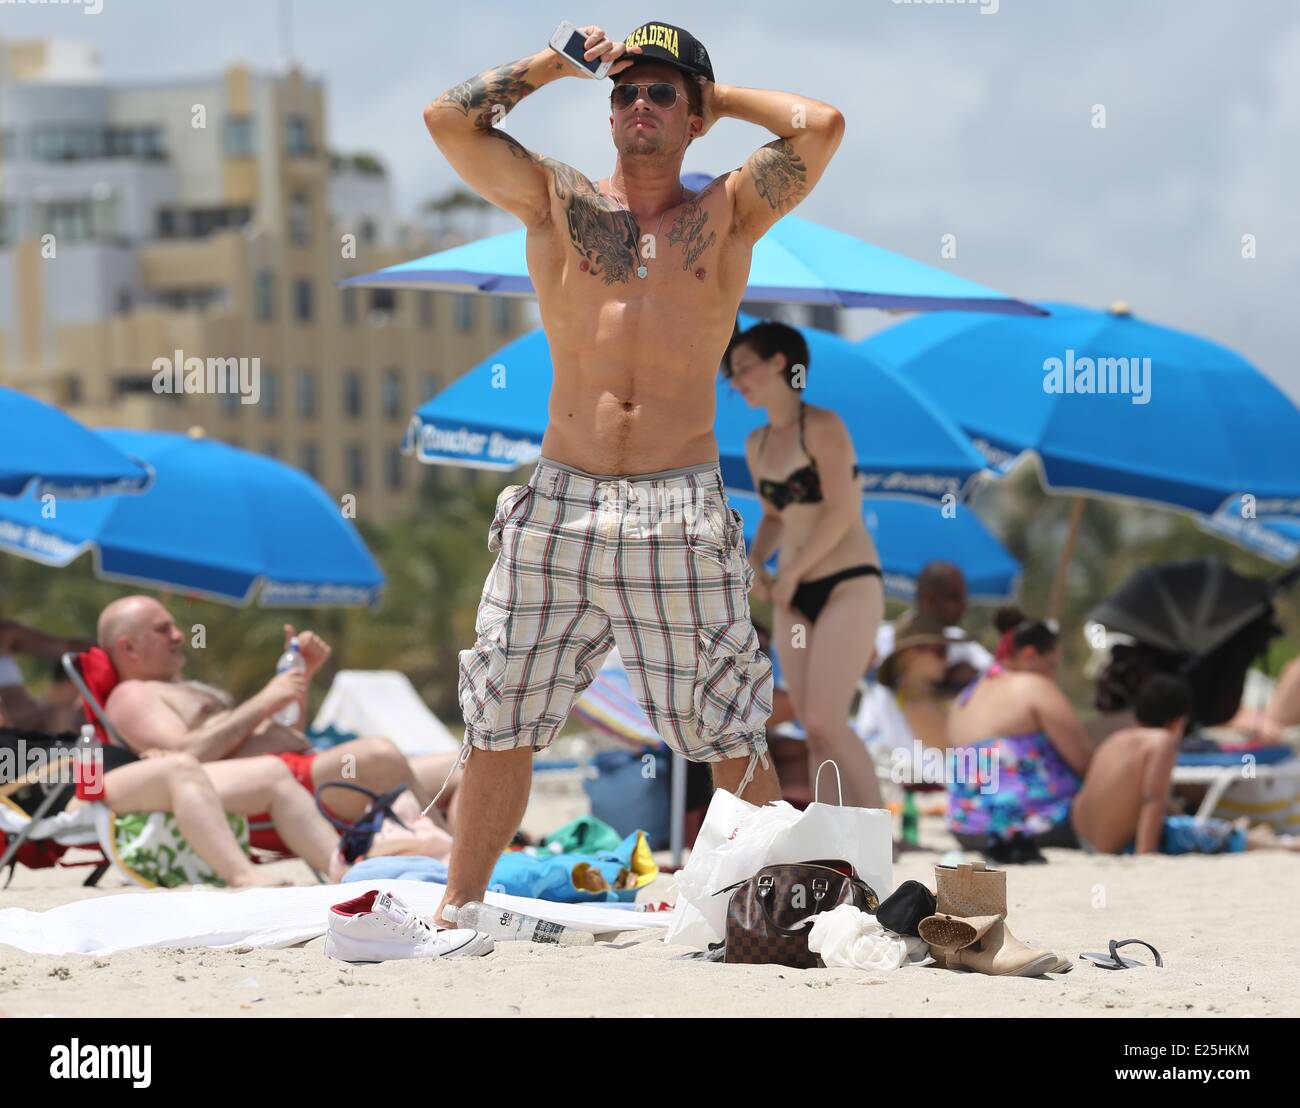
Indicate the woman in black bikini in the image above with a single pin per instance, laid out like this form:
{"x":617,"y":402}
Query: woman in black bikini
{"x":828,"y":596}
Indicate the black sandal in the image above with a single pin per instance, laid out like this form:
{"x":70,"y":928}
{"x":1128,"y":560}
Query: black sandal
{"x":1116,"y":961}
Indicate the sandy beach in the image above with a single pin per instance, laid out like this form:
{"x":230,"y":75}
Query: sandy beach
{"x":1216,"y":920}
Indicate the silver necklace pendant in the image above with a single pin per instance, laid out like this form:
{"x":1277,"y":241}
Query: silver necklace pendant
{"x":642,"y":272}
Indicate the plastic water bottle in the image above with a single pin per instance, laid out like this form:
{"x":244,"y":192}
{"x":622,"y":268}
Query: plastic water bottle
{"x":507,"y":926}
{"x":911,"y":819}
{"x":291,"y":659}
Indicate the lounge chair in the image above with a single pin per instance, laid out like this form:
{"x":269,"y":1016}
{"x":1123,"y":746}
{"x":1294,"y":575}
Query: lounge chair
{"x":93,"y":674}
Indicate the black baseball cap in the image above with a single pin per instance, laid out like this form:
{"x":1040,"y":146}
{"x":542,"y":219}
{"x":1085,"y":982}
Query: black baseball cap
{"x":662,"y":42}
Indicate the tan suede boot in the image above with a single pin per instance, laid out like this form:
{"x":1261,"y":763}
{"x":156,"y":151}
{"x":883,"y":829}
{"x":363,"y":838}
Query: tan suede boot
{"x":969,"y":931}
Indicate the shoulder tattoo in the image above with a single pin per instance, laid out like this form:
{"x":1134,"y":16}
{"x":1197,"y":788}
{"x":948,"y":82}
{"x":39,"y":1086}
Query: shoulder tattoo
{"x":779,"y":174}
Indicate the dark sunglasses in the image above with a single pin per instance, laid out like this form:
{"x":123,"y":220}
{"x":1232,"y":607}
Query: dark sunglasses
{"x":662,"y":94}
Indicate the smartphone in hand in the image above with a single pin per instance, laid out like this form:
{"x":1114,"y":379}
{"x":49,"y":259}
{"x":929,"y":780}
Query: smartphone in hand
{"x":571,"y":42}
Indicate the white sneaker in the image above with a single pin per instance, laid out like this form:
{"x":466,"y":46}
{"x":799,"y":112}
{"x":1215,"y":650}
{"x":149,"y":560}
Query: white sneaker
{"x":378,"y":926}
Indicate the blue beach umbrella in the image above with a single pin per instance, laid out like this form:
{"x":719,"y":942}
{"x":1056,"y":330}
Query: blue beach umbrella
{"x":45,"y":450}
{"x":909,"y":534}
{"x":797,"y":261}
{"x":1182,"y":421}
{"x":218,"y":522}
{"x":495,"y":415}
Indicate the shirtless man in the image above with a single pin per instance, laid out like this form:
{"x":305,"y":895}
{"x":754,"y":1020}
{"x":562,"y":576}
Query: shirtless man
{"x":152,"y":708}
{"x":1124,"y":802}
{"x":638,"y":281}
{"x":170,"y":777}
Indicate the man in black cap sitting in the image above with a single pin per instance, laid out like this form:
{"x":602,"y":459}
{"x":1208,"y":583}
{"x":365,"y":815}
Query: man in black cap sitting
{"x":622,"y":534}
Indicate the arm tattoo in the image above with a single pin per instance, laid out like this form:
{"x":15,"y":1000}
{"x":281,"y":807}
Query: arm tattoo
{"x":779,"y":174}
{"x":516,"y":147}
{"x":688,"y":229}
{"x":505,"y":86}
{"x":604,"y":234}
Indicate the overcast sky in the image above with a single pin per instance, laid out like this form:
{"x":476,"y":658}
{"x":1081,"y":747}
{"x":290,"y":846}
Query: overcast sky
{"x":959,"y":122}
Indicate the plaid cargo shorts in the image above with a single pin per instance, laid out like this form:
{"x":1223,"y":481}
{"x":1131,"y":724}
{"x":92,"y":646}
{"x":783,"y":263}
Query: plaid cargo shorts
{"x":652,"y":563}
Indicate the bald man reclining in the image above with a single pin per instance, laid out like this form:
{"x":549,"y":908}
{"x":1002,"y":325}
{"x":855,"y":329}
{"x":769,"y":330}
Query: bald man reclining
{"x":155,"y":710}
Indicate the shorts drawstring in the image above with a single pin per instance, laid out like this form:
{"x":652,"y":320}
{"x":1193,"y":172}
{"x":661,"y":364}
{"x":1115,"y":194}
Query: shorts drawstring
{"x":461,"y":759}
{"x":749,"y":769}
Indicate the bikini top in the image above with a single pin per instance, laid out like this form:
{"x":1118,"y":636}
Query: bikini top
{"x":803,"y":486}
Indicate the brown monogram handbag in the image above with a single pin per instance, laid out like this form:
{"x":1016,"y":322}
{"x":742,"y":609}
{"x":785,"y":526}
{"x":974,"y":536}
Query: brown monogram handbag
{"x":770,"y":914}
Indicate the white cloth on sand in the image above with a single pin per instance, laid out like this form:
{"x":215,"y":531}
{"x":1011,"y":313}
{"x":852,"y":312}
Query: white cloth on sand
{"x":847,"y":937}
{"x":220,"y":918}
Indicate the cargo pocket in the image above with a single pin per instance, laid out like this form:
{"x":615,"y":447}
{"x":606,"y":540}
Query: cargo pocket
{"x":483,"y":670}
{"x":733,"y":684}
{"x":736,"y":534}
{"x":708,"y":533}
{"x":508,"y":501}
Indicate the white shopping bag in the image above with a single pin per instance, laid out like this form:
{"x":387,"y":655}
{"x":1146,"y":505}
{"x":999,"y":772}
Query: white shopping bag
{"x":739,"y":838}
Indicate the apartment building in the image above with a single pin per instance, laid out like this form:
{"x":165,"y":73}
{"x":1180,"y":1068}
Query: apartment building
{"x":210,"y":218}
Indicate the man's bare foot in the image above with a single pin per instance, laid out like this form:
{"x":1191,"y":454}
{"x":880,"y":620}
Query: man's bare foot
{"x":258,"y":878}
{"x":337,"y":867}
{"x":1265,"y":838}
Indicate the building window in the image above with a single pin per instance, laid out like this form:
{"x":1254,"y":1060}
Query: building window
{"x":73,"y":394}
{"x":356,"y":465}
{"x":309,"y":459}
{"x":429,"y":389}
{"x":501,"y":314}
{"x":228,"y":402}
{"x":426,"y":310}
{"x":349,"y":297}
{"x":8,"y":145}
{"x":367,"y":232}
{"x":392,"y":394}
{"x":300,"y":219}
{"x":297,"y":142}
{"x":306,"y":393}
{"x":393,"y":466}
{"x":264,"y":296}
{"x":352,"y":394}
{"x":464,"y":312}
{"x":302,"y":300}
{"x":270,"y":448}
{"x":237,"y":137}
{"x":270,"y":398}
{"x":383,"y":301}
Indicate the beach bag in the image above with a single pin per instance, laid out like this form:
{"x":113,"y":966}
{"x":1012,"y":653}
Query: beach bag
{"x":738,"y":839}
{"x":770,"y":915}
{"x":391,"y":824}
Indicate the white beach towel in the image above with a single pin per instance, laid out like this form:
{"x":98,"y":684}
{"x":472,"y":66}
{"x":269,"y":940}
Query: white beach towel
{"x":220,"y":919}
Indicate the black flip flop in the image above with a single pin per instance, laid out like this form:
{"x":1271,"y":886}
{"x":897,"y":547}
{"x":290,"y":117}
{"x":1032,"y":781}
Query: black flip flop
{"x":1116,"y":961}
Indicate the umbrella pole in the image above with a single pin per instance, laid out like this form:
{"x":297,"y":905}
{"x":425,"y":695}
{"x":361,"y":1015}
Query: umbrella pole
{"x":677,"y":819}
{"x":1063,"y":566}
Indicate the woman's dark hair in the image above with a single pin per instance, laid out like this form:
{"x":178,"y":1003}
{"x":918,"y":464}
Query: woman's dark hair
{"x":1163,"y":699}
{"x":1018,"y":630}
{"x":766,"y":339}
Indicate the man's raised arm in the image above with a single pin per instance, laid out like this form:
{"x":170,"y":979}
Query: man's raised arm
{"x":463,"y":122}
{"x":779,"y":175}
